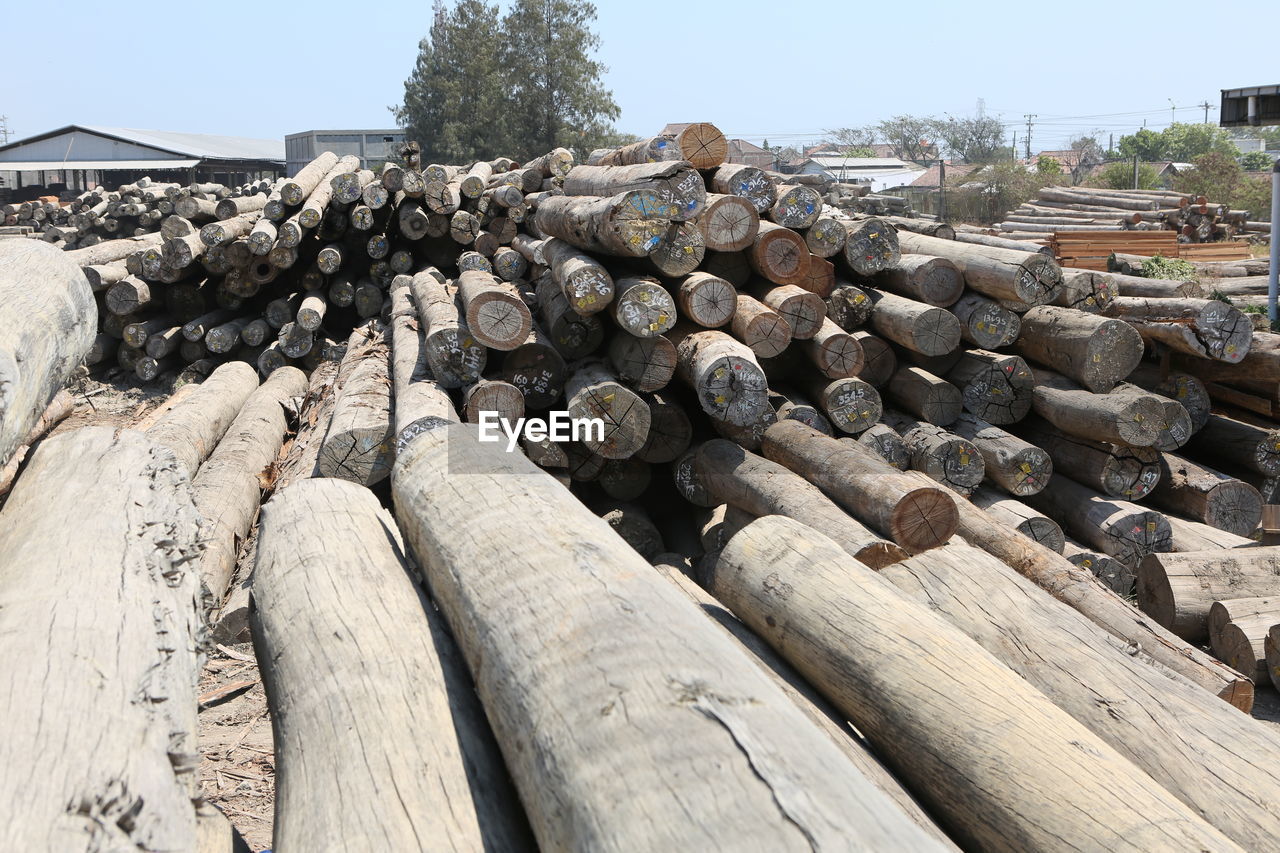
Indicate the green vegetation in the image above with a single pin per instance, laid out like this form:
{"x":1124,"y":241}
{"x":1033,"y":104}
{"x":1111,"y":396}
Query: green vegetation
{"x":1119,"y":176}
{"x":1219,"y":178}
{"x":978,"y":139}
{"x":519,"y":84}
{"x":1179,"y":142}
{"x":1049,"y":166}
{"x":1256,"y":161}
{"x":1174,"y":269}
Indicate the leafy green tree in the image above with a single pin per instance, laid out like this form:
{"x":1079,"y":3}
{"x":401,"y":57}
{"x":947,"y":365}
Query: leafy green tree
{"x":1254,"y":195}
{"x":554,"y":81}
{"x":1215,"y":176}
{"x":1256,"y":161}
{"x":909,"y":137}
{"x":976,"y":140}
{"x":1185,"y":142}
{"x":454,"y":103}
{"x":1145,"y":145}
{"x":1119,"y":176}
{"x":1048,"y":166}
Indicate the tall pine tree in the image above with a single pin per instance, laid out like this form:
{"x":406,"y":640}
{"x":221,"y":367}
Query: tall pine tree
{"x":454,"y":102}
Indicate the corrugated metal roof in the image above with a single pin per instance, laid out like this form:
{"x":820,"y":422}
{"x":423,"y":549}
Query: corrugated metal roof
{"x":97,"y":165}
{"x":200,"y":145}
{"x":862,"y":162}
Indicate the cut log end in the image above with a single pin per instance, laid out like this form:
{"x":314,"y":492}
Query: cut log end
{"x":924,"y":518}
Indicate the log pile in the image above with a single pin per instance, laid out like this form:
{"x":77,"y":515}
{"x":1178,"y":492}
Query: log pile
{"x":830,"y":433}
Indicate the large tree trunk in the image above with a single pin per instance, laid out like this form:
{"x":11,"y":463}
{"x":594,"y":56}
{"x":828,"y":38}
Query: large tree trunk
{"x":1178,"y":589}
{"x":1207,"y":328}
{"x":98,"y":542}
{"x":1022,"y":518}
{"x":1086,"y":290}
{"x":732,"y":475}
{"x":870,"y":245}
{"x":1183,"y":387}
{"x":993,"y":386}
{"x":193,"y":427}
{"x":630,"y":224}
{"x":330,"y":564}
{"x":229,"y":486}
{"x":1094,"y":351}
{"x":1187,"y":741}
{"x":359,"y":444}
{"x":1056,"y":786}
{"x":1019,"y":468}
{"x":706,"y":299}
{"x":779,"y":254}
{"x":1129,"y":419}
{"x":583,"y":280}
{"x":455,"y":357}
{"x":415,"y":392}
{"x":728,"y":223}
{"x":675,"y":184}
{"x":938,"y":454}
{"x":1247,"y":445}
{"x":915,"y":516}
{"x":1116,"y":470}
{"x":644,"y":707}
{"x":984,"y":323}
{"x":745,"y":181}
{"x":1193,"y":536}
{"x":924,"y":395}
{"x":1204,"y":494}
{"x":1005,"y":274}
{"x":1238,"y":629}
{"x":593,"y":391}
{"x":496,"y":314}
{"x":314,"y":414}
{"x":48,"y":319}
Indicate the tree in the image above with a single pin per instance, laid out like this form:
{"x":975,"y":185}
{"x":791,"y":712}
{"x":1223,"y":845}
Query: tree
{"x":1119,"y":176}
{"x":1185,"y":142}
{"x":852,"y":139}
{"x":976,"y":140}
{"x":1256,"y":161}
{"x":454,"y":103}
{"x":1215,"y":176}
{"x":557,"y":99}
{"x":908,"y":136}
{"x":1145,"y":145}
{"x":987,"y":194}
{"x":1048,"y":166}
{"x":1088,"y":149}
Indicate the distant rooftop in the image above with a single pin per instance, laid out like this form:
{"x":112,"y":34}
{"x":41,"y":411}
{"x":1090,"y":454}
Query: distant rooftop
{"x":199,"y":145}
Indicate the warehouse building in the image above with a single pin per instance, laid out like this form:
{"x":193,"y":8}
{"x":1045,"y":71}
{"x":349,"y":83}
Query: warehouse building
{"x":77,"y":157}
{"x":373,"y":147}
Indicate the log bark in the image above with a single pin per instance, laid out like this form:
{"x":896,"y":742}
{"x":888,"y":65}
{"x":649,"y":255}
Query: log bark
{"x":796,"y":206}
{"x":938,"y":454}
{"x":1238,"y":629}
{"x":706,"y":299}
{"x":918,"y":327}
{"x":359,"y":443}
{"x":496,"y":315}
{"x":415,"y":392}
{"x":1130,"y":419}
{"x":501,"y":593}
{"x":48,"y":320}
{"x":986,"y":324}
{"x":630,"y":224}
{"x":1159,"y":721}
{"x":1094,"y":351}
{"x":723,"y":373}
{"x":646,"y":364}
{"x":779,"y":254}
{"x":760,"y":327}
{"x":848,"y":306}
{"x":58,"y":409}
{"x":1086,"y":290}
{"x":994,"y":387}
{"x":1116,"y":470}
{"x":1204,"y":494}
{"x":455,"y":356}
{"x":1194,"y":536}
{"x":1177,"y":590}
{"x":193,"y":428}
{"x":1034,"y":525}
{"x":586,"y":284}
{"x":538,"y":370}
{"x":1005,"y":274}
{"x":1205,"y":328}
{"x":330,"y":564}
{"x":1122,"y":529}
{"x":885,"y":442}
{"x":870,"y":245}
{"x":922,"y":394}
{"x":1016,"y":466}
{"x":851,"y":633}
{"x":1155,"y":288}
{"x":593,"y":391}
{"x":1244,"y":444}
{"x":102,"y":647}
{"x":1183,"y":387}
{"x":836,"y":354}
{"x":758,"y":486}
{"x":675,"y":184}
{"x":916,"y":517}
{"x":933,"y":281}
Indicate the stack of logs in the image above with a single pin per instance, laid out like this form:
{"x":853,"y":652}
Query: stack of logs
{"x":896,"y":441}
{"x":130,"y":210}
{"x":1196,"y":219}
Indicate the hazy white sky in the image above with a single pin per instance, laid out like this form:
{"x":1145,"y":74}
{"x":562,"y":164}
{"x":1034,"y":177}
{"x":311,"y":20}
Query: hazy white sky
{"x":775,"y":70}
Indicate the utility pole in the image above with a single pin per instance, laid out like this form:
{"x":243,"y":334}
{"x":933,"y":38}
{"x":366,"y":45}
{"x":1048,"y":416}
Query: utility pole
{"x":1173,"y":112}
{"x":1111,"y":142}
{"x":1029,"y":117}
{"x":1207,"y":106}
{"x":1013,"y":149}
{"x":942,"y":190}
{"x":4,"y":130}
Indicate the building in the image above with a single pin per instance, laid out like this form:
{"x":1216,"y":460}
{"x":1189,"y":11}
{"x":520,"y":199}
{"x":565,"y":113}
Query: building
{"x":373,"y":147}
{"x":77,"y":157}
{"x":878,"y":172}
{"x":742,"y":151}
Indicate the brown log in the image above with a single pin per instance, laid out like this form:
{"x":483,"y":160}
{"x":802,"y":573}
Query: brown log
{"x":1154,"y":288}
{"x":1094,"y":351}
{"x":1246,"y":445}
{"x":496,"y":315}
{"x":1206,"y":328}
{"x":193,"y":428}
{"x":984,"y":323}
{"x":825,"y":237}
{"x":1124,"y":418}
{"x":680,"y":251}
{"x":1238,"y":629}
{"x":1177,"y":590}
{"x":940,"y":455}
{"x":1122,"y":529}
{"x":835,"y":353}
{"x":359,"y":445}
{"x":728,"y":223}
{"x":706,"y":299}
{"x":851,"y":633}
{"x":646,"y":364}
{"x":821,"y":277}
{"x":933,"y":281}
{"x":851,"y":404}
{"x":918,"y":327}
{"x":1116,"y":470}
{"x":593,"y":391}
{"x":1003,"y":274}
{"x":761,"y":328}
{"x":871,"y":245}
{"x":1018,"y":467}
{"x":779,"y":254}
{"x":914,"y":516}
{"x":879,"y":363}
{"x":1204,"y":494}
{"x":922,"y":394}
{"x":1194,"y":536}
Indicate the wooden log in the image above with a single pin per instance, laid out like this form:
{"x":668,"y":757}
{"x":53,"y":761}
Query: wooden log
{"x":1154,"y":288}
{"x":994,"y":387}
{"x":1183,"y":387}
{"x":1094,"y":351}
{"x":1086,"y":290}
{"x":593,"y":391}
{"x":922,"y":394}
{"x":761,"y":328}
{"x":1238,"y":629}
{"x":1195,"y":536}
{"x":879,"y":363}
{"x":1164,"y":728}
{"x":848,"y":306}
{"x":870,"y":245}
{"x":884,"y":441}
{"x":642,"y":306}
{"x":938,"y":454}
{"x":724,"y":374}
{"x":1206,"y":328}
{"x":746,"y":182}
{"x":918,"y":327}
{"x":680,"y":251}
{"x":538,"y":369}
{"x":492,"y":399}
{"x":455,"y":356}
{"x":1016,"y":466}
{"x":857,"y":630}
{"x":835,"y":353}
{"x":804,"y":311}
{"x":630,"y":224}
{"x":585,"y":282}
{"x":315,"y":411}
{"x":108,"y":251}
{"x":415,"y":392}
{"x":826,"y":236}
{"x":58,"y":409}
{"x":368,"y":600}
{"x":573,"y":335}
{"x":1190,"y":489}
{"x":496,"y":315}
{"x":706,"y":299}
{"x":48,"y":320}
{"x":102,"y":646}
{"x":1247,"y":445}
{"x":702,"y":144}
{"x":670,"y":431}
{"x":679,"y":187}
{"x":1022,"y":518}
{"x":821,"y":277}
{"x":1116,"y":470}
{"x":1122,"y":529}
{"x":296,"y":189}
{"x":193,"y":428}
{"x":1004,"y":274}
{"x":646,"y":364}
{"x":986,"y":324}
{"x":1124,"y":418}
{"x":933,"y":281}
{"x":851,"y":404}
{"x":788,"y":403}
{"x":1112,"y":573}
{"x":1177,"y":590}
{"x":675,"y":569}
{"x":758,"y":486}
{"x":795,"y":206}
{"x":916,"y":517}
{"x":779,"y":254}
{"x":649,"y":631}
{"x":359,"y":443}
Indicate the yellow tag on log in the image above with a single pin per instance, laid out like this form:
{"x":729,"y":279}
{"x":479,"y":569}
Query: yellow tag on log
{"x":608,"y":399}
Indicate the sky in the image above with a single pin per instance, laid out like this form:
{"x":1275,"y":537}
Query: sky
{"x":776,"y":71}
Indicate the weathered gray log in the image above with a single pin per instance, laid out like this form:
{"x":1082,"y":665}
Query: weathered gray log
{"x":915,"y":516}
{"x":1129,"y":419}
{"x":1183,"y":387}
{"x":630,"y":224}
{"x":870,"y":245}
{"x":593,"y":391}
{"x":758,"y":486}
{"x":1194,"y":536}
{"x":1116,"y":470}
{"x":330,"y":563}
{"x":933,"y":281}
{"x":642,"y":306}
{"x":1157,"y":720}
{"x":745,"y":181}
{"x":415,"y":392}
{"x":490,"y":399}
{"x":994,"y":387}
{"x":1178,"y":589}
{"x":496,"y":315}
{"x":1005,"y":274}
{"x":851,"y":634}
{"x":1094,"y":351}
{"x":48,"y":319}
{"x":851,"y":404}
{"x":1016,"y":466}
{"x":1006,"y":510}
{"x":228,"y":487}
{"x":675,"y":184}
{"x":1206,"y":328}
{"x":922,"y":394}
{"x":455,"y":357}
{"x":795,"y":206}
{"x":646,"y":364}
{"x":1113,"y":574}
{"x":848,"y":306}
{"x":920,"y":328}
{"x":1086,"y":290}
{"x":193,"y":428}
{"x":1247,"y":445}
{"x":359,"y":444}
{"x":724,"y":374}
{"x":1122,"y":529}
{"x":102,"y":647}
{"x":885,"y":442}
{"x":1238,"y":629}
{"x":1190,"y":489}
{"x":315,"y":411}
{"x":585,"y":282}
{"x":938,"y":454}
{"x":985,"y":323}
{"x":501,"y":582}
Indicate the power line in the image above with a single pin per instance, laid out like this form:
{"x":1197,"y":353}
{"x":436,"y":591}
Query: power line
{"x":1029,"y":117}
